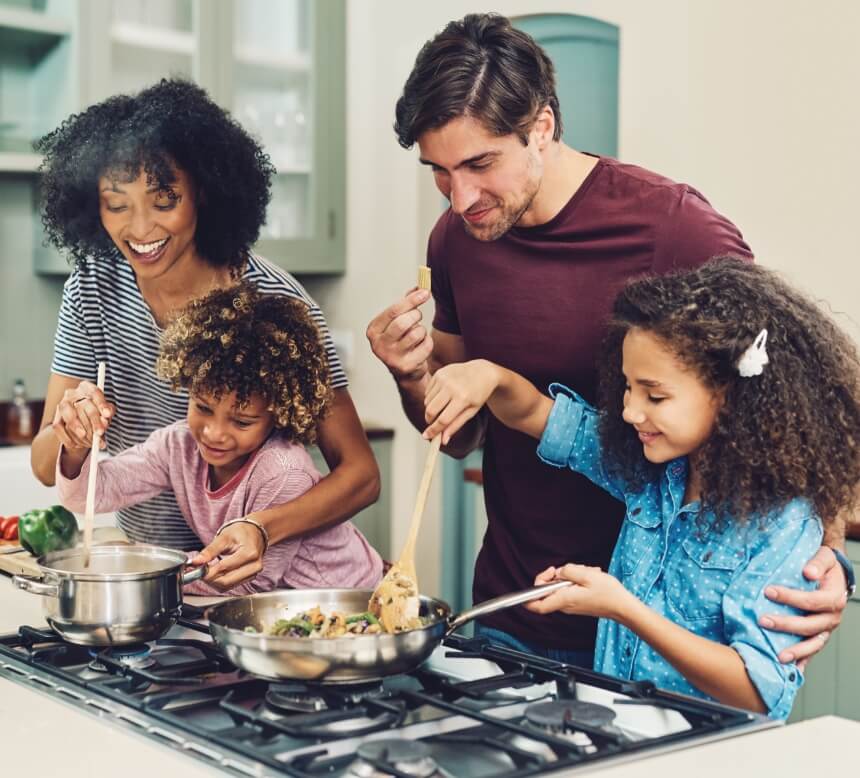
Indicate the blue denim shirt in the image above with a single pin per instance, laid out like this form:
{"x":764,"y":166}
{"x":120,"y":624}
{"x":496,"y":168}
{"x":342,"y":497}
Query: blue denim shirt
{"x":712,"y":582}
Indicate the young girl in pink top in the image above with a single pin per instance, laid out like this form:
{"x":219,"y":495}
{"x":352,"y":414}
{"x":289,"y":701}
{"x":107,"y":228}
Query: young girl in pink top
{"x":258,"y":382}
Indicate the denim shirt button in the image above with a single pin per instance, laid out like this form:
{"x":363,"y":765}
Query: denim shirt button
{"x":792,"y":676}
{"x":627,"y":651}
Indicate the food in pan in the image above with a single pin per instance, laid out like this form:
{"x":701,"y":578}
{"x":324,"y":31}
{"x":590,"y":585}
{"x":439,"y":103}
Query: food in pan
{"x":314,"y":623}
{"x":395,"y":602}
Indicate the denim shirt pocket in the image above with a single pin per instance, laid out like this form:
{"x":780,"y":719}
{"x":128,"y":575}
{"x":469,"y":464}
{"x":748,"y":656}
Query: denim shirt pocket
{"x":698,"y":577}
{"x":640,"y":534}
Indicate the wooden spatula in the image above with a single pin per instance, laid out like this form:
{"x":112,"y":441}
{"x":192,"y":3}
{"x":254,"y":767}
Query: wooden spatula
{"x":89,"y":512}
{"x":395,"y":600}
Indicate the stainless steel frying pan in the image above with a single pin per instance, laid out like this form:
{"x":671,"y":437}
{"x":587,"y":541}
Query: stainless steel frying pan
{"x":343,"y":659}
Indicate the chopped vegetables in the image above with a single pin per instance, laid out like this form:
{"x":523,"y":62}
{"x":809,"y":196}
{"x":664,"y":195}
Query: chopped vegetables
{"x":314,"y":623}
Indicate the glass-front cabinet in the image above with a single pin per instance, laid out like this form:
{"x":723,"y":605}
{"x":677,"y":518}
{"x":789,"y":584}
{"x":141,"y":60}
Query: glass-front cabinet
{"x":285,"y":85}
{"x":38,"y":50}
{"x":277,"y":65}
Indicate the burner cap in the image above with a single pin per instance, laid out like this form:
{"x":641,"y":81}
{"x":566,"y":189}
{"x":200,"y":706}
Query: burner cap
{"x":410,"y":757}
{"x":566,"y":715}
{"x":135,"y":655}
{"x":309,"y":697}
{"x":292,"y":697}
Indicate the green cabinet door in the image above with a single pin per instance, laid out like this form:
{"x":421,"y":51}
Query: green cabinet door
{"x":375,"y":520}
{"x":832,"y":682}
{"x":585,"y":54}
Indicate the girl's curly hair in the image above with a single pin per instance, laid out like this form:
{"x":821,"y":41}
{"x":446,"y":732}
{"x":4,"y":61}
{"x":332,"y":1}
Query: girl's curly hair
{"x":173,"y":123}
{"x":239,"y":340}
{"x":790,"y":432}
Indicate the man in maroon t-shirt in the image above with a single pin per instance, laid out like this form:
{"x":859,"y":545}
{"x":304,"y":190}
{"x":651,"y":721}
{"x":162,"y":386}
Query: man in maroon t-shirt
{"x":525,"y":265}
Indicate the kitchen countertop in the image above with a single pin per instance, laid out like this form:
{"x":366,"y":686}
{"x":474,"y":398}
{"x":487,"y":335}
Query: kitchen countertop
{"x":78,"y":746}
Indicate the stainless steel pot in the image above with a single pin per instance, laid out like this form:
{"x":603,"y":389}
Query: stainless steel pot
{"x":128,"y":594}
{"x":344,"y":659}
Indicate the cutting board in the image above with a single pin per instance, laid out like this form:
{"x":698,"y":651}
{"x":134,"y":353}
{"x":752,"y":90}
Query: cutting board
{"x":24,"y":563}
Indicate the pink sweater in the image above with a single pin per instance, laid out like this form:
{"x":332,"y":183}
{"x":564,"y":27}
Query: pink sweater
{"x":277,"y":473}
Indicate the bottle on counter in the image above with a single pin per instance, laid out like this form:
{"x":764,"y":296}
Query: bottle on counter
{"x":19,"y":421}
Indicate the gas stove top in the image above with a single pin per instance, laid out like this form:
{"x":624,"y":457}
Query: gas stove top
{"x":471,"y":710}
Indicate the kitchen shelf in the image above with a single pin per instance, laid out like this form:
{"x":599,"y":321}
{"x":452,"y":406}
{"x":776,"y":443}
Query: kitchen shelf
{"x":283,"y":62}
{"x":19,"y":162}
{"x":153,"y":38}
{"x":38,"y":32}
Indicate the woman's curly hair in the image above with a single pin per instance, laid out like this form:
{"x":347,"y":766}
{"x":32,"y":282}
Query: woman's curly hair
{"x":240,"y":340}
{"x":790,"y":432}
{"x":173,"y":123}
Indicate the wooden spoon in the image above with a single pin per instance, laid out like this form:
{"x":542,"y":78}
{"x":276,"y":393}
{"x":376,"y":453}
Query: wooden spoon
{"x":395,"y":600}
{"x":89,"y":512}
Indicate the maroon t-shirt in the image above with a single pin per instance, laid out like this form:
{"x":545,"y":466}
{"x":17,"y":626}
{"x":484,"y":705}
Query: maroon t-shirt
{"x":536,"y":301}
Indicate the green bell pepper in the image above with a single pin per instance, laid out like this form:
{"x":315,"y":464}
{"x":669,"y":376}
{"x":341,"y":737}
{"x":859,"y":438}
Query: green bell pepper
{"x":43,"y":530}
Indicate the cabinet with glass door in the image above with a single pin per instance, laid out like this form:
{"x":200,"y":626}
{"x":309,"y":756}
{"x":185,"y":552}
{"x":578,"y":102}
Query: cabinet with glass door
{"x":277,"y":65}
{"x":284,"y":81}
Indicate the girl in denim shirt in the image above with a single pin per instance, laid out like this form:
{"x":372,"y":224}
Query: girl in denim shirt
{"x":730,"y":427}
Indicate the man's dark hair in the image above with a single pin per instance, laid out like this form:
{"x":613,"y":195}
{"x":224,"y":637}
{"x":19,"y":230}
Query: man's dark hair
{"x":172,"y":123}
{"x":480,"y":67}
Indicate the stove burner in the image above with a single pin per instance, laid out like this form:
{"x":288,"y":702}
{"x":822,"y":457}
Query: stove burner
{"x":293,"y":697}
{"x":309,"y":698}
{"x":136,"y":656}
{"x":568,"y":715}
{"x":407,"y":757}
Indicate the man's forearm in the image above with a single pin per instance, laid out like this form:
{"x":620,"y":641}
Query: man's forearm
{"x":43,"y":455}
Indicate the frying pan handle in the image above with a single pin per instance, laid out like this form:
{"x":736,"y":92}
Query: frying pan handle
{"x":505,"y":601}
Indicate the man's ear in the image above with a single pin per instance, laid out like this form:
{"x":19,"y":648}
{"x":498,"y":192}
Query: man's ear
{"x":543,"y":128}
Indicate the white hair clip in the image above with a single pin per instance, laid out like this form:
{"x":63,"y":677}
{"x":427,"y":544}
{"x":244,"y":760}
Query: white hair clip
{"x":754,"y":359}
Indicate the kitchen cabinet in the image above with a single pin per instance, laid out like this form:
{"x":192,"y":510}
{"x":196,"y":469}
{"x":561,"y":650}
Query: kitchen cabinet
{"x":282,"y":76}
{"x":375,"y":520}
{"x":832,"y":684}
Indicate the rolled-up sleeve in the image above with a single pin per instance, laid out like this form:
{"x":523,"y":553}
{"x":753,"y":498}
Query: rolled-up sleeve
{"x":778,"y":560}
{"x":571,"y":439}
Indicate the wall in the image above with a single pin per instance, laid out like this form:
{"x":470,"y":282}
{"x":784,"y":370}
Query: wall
{"x":28,"y":303}
{"x":753,"y":103}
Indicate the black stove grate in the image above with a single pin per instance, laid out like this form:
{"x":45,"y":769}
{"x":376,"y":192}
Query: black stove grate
{"x":192,"y":689}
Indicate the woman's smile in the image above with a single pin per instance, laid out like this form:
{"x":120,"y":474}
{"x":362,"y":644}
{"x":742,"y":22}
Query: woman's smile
{"x":148,"y":252}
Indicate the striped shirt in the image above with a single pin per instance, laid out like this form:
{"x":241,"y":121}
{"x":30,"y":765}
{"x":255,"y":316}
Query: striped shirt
{"x":103,"y":317}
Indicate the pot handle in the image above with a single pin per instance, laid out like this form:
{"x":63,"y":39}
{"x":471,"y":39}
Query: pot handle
{"x":505,"y":601}
{"x":194,"y":574}
{"x":36,"y":586}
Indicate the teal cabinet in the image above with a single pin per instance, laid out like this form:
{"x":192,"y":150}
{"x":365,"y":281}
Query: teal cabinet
{"x":832,"y":685}
{"x":375,"y":520}
{"x":585,"y":54}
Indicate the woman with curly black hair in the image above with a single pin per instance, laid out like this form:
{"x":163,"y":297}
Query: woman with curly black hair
{"x":257,"y":378}
{"x":158,"y":198}
{"x":730,"y":427}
